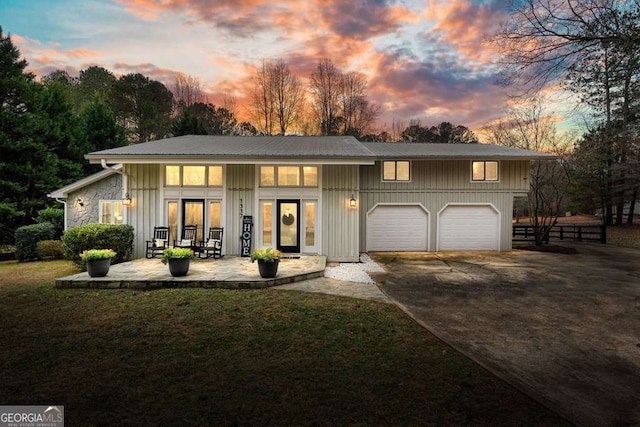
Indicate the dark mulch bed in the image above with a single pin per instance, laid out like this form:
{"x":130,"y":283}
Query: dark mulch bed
{"x":556,"y":249}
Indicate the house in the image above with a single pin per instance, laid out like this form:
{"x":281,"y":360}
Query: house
{"x":334,"y":196}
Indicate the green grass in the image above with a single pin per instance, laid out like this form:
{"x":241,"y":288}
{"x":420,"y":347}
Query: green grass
{"x":219,"y":357}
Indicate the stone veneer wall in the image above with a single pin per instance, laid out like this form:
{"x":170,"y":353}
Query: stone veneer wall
{"x":106,"y":189}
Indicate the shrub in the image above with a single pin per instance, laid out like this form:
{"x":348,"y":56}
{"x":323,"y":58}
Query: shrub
{"x":27,"y":238}
{"x":51,"y":249}
{"x":53,"y":215}
{"x":98,"y":236}
{"x":268,"y":255}
{"x":176,"y":253}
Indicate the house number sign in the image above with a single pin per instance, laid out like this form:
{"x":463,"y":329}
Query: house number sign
{"x":247,"y":224}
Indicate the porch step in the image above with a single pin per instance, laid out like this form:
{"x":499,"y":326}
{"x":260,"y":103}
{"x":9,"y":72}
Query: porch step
{"x":230,"y":272}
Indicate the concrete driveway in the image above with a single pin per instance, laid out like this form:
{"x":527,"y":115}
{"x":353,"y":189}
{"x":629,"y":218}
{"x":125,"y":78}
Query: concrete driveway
{"x":565,"y":329}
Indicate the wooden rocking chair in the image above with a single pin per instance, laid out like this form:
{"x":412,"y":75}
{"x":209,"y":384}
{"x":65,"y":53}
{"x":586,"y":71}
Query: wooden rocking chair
{"x":212,"y":247}
{"x":159,"y":243}
{"x":188,"y":239}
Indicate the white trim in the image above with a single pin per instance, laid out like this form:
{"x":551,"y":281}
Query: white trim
{"x":273,"y":194}
{"x":420,"y":205}
{"x":491,"y":205}
{"x":63,"y":193}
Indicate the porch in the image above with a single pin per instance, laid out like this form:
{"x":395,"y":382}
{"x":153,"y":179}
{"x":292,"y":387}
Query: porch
{"x":230,"y":272}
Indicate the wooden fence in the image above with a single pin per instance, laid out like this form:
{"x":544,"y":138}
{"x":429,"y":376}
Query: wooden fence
{"x":582,"y":233}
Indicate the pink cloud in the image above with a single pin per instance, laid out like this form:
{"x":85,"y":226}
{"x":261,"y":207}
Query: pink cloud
{"x":466,"y":25}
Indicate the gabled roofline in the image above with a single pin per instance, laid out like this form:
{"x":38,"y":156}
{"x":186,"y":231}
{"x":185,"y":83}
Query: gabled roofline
{"x":63,"y":193}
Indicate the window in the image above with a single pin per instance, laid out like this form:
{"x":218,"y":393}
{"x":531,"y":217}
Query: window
{"x":172,"y":219}
{"x":267,"y":223}
{"x":215,"y":176}
{"x":310,"y":176}
{"x":215,"y":214}
{"x":267,"y":176}
{"x":172,"y":175}
{"x":310,"y":223}
{"x":484,"y":170}
{"x":193,"y":176}
{"x":288,"y":176}
{"x":111,"y":212}
{"x":396,"y":170}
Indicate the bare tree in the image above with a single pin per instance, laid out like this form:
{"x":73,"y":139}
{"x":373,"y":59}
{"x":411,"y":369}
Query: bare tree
{"x":543,"y":39}
{"x":527,"y":127}
{"x":358,"y":114}
{"x":262,"y":103}
{"x":230,"y":103}
{"x":287,"y":93}
{"x":325,"y":82}
{"x":187,"y":91}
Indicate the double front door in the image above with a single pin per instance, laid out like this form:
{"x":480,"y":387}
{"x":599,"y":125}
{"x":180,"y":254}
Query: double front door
{"x":200,"y":212}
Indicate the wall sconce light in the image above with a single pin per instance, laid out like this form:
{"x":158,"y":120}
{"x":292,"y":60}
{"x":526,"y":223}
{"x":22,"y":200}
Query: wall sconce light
{"x":79,"y":202}
{"x":352,"y":202}
{"x":127,"y":200}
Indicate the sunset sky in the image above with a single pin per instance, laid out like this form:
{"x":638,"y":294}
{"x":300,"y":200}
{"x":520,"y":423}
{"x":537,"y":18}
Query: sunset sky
{"x":424,"y":59}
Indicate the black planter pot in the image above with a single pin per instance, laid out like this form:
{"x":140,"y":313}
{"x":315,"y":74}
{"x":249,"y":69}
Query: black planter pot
{"x":179,"y":266}
{"x":98,"y":267}
{"x":268,"y":270}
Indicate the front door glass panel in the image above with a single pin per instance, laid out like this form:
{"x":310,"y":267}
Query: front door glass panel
{"x":289,"y":225}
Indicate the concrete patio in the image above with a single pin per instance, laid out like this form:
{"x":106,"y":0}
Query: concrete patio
{"x":229,"y":272}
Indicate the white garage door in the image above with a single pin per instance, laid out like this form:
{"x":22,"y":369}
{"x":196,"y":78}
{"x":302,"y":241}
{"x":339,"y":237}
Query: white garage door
{"x":397,"y":228}
{"x":468,"y":227}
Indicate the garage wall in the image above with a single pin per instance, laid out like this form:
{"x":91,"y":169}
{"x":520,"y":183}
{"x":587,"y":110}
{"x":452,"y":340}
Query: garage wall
{"x":435,"y":184}
{"x":143,"y":187}
{"x":449,"y":174}
{"x":340,"y":223}
{"x":434,"y":202}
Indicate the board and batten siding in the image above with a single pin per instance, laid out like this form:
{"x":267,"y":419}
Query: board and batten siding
{"x":434,"y":184}
{"x":340,"y":222}
{"x":449,"y":175}
{"x":240,"y":181}
{"x":143,"y":215}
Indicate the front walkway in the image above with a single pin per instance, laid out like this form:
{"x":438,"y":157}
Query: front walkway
{"x":230,"y":272}
{"x":342,"y":288}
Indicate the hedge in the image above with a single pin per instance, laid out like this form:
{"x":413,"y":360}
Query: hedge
{"x":53,"y":215}
{"x":98,"y":236}
{"x":50,"y":249}
{"x":27,"y":238}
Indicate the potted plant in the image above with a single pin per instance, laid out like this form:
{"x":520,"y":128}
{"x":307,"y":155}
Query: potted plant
{"x":97,"y":261}
{"x":268,"y":260}
{"x":178,"y":260}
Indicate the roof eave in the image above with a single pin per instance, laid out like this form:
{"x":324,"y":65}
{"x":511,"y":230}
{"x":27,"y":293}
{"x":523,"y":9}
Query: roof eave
{"x":63,"y":192}
{"x":173,"y":159}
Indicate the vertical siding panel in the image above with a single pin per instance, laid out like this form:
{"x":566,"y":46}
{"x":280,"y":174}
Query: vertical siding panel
{"x":340,"y":223}
{"x":240,"y":185}
{"x":143,"y":214}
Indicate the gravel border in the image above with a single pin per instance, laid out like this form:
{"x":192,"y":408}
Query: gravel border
{"x":355,"y":271}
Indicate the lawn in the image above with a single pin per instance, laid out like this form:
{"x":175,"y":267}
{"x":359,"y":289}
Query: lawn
{"x":203,"y":357}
